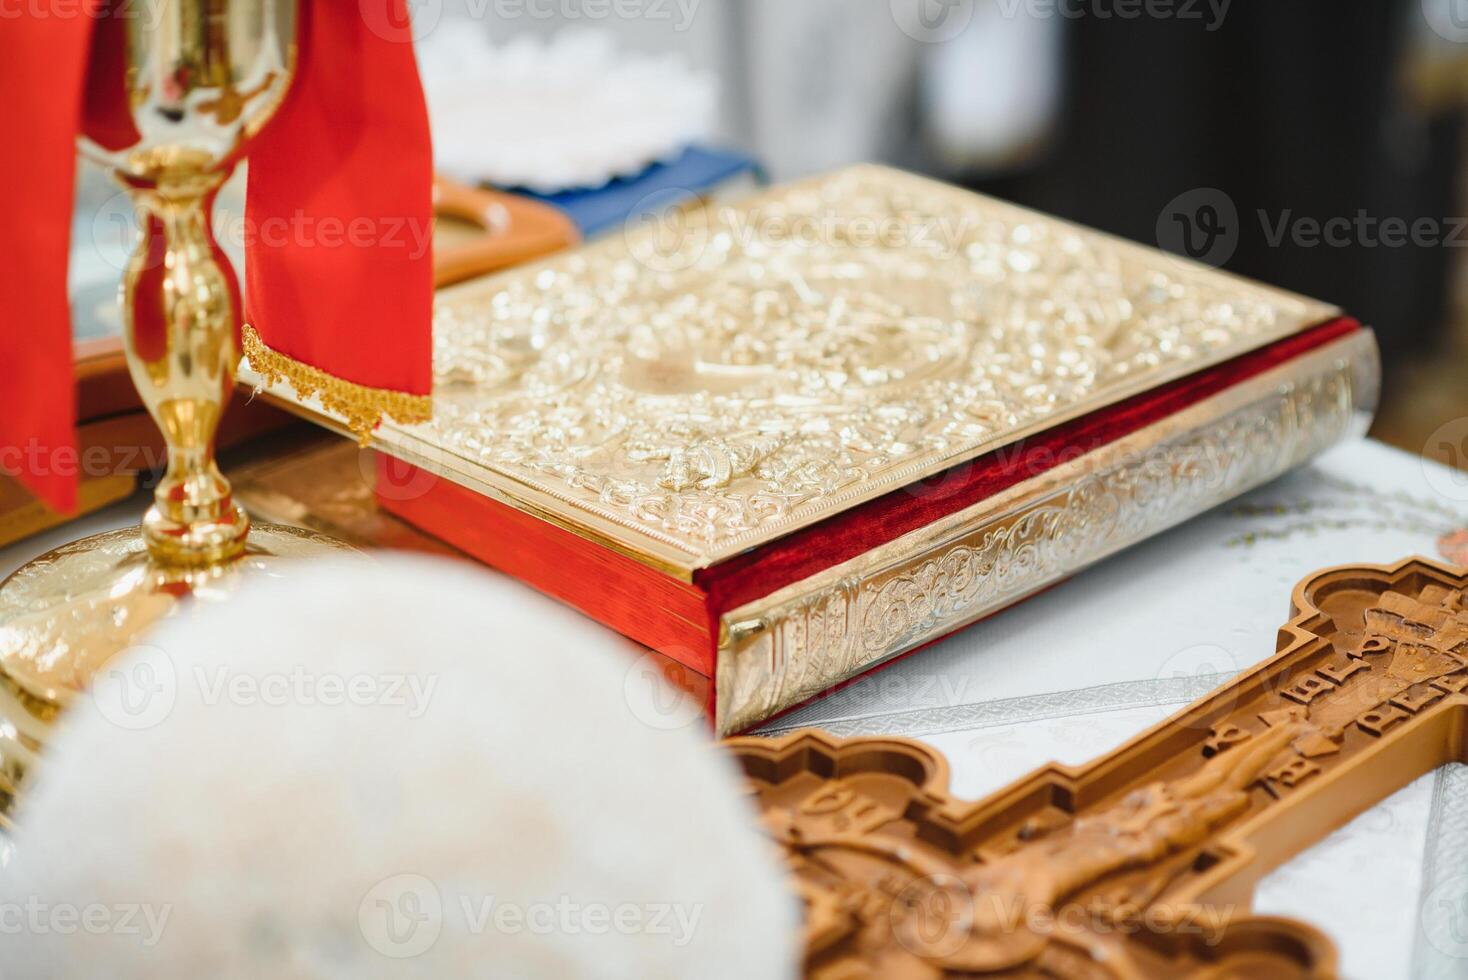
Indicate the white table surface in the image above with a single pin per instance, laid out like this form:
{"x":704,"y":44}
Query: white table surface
{"x":1079,"y":669}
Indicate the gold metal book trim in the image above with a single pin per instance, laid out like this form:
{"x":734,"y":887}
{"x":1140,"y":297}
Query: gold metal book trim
{"x":798,"y":642}
{"x":429,"y":458}
{"x":360,"y":407}
{"x":683,"y":398}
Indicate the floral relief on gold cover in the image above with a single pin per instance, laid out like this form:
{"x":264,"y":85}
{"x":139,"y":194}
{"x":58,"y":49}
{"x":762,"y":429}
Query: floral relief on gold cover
{"x":712,"y":378}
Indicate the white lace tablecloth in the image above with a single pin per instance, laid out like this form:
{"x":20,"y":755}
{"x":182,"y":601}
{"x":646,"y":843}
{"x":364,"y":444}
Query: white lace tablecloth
{"x":1077,"y":670}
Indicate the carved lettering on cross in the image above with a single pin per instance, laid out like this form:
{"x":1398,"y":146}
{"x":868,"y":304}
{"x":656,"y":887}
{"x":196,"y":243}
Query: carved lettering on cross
{"x":1142,"y":862}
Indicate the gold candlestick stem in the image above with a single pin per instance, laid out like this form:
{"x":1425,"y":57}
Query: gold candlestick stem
{"x":203,"y":78}
{"x":184,"y":380}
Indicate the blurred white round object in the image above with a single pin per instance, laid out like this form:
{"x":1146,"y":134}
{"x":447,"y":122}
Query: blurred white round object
{"x":572,"y":112}
{"x":402,"y":769}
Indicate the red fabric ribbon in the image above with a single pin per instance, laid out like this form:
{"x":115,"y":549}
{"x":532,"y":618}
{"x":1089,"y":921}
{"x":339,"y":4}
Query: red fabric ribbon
{"x":345,"y":171}
{"x":339,"y":258}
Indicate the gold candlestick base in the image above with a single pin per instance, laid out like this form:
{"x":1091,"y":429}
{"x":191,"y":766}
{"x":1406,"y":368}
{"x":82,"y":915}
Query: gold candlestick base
{"x":65,"y":614}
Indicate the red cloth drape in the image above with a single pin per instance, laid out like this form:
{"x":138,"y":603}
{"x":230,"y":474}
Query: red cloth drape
{"x":339,"y":263}
{"x":42,"y":68}
{"x":345,"y":173}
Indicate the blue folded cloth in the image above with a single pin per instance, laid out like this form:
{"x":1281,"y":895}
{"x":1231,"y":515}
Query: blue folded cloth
{"x":698,"y":170}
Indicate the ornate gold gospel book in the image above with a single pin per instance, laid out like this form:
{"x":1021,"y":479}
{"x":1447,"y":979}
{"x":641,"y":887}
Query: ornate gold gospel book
{"x":787,"y":440}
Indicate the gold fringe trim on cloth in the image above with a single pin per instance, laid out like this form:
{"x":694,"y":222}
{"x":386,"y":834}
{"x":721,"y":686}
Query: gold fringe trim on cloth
{"x":362,"y":407}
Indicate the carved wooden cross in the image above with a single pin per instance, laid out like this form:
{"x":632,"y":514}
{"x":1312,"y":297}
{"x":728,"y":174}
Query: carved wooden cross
{"x":1141,"y":863}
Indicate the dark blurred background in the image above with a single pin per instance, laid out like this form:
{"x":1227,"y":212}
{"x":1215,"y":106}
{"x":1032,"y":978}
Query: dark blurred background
{"x":1343,"y":115}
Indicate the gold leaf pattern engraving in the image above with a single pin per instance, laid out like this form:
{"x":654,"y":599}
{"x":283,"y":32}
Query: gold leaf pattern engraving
{"x":779,"y":360}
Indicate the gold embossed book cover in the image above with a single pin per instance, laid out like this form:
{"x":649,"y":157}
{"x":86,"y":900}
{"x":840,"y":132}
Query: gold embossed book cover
{"x":786,"y":440}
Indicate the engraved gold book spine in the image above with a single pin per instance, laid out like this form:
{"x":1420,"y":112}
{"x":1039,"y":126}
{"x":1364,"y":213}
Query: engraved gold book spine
{"x":791,"y":646}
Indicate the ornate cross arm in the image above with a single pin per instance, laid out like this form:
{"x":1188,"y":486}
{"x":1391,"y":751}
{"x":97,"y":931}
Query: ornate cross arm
{"x":1141,"y":863}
